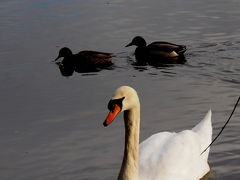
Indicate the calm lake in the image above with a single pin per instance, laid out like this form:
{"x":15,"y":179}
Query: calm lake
{"x":51,"y":125}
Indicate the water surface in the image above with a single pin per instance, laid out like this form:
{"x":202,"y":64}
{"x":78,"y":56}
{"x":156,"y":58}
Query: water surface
{"x":51,"y":126}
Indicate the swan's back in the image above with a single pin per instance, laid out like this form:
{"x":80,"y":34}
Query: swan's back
{"x":170,"y":156}
{"x":204,"y":130}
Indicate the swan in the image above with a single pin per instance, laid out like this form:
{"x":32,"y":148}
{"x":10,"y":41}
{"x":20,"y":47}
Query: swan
{"x":157,"y":52}
{"x":162,"y":156}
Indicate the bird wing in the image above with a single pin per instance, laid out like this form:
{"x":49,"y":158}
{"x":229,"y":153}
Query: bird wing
{"x":95,"y":57}
{"x":167,"y":47}
{"x":168,"y":156}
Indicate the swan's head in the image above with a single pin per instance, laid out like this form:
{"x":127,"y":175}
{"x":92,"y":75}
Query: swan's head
{"x":64,"y":52}
{"x":137,"y":41}
{"x":125,"y":98}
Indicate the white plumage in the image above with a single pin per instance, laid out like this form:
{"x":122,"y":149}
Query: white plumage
{"x":170,"y":156}
{"x":162,"y":156}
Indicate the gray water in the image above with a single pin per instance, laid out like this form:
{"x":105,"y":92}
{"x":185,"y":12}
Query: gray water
{"x":51,"y":126}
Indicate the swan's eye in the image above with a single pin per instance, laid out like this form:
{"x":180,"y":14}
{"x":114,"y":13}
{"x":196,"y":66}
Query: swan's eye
{"x":113,"y":102}
{"x":111,"y":105}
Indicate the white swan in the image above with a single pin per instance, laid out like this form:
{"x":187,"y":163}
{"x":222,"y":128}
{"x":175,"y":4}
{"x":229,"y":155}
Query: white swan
{"x":165,"y":155}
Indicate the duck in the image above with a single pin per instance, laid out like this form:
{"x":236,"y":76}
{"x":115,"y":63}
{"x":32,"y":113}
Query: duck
{"x":66,"y":68}
{"x":164,"y":155}
{"x":86,"y":60}
{"x":157,"y":52}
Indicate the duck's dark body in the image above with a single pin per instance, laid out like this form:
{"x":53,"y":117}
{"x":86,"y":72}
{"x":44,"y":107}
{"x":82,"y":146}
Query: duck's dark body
{"x":92,"y":60}
{"x":84,"y":61}
{"x":157,"y":52}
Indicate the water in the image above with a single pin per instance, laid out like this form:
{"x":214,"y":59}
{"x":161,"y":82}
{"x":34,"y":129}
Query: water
{"x":51,"y":126}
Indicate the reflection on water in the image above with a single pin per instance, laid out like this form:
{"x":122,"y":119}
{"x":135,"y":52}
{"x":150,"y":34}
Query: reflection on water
{"x":159,"y":63}
{"x":51,"y":127}
{"x":67,"y":69}
{"x":211,"y":175}
{"x":146,"y":66}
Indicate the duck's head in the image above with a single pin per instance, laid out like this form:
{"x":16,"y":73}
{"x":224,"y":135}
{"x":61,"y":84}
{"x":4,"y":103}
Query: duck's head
{"x":137,"y":41}
{"x":64,"y":52}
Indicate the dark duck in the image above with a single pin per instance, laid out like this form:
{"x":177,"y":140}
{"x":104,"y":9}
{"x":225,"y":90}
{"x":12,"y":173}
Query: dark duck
{"x":158,"y":52}
{"x":84,"y":61}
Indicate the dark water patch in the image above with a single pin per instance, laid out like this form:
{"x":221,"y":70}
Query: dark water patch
{"x":234,"y":81}
{"x":141,"y":68}
{"x":227,"y":58}
{"x":208,"y":45}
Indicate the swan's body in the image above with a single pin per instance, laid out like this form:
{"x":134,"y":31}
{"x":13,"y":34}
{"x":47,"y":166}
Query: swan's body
{"x":157,"y":52}
{"x":165,"y":155}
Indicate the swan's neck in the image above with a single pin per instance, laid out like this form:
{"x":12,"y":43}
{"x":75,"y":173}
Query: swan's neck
{"x":129,"y":169}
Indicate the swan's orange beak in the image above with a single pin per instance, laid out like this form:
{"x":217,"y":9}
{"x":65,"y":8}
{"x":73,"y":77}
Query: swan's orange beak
{"x":111,"y":115}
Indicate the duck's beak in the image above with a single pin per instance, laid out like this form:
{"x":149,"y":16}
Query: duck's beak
{"x":130,"y":44}
{"x":111,"y":115}
{"x":57,"y":58}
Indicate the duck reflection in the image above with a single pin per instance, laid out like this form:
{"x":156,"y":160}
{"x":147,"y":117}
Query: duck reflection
{"x":159,"y":53}
{"x":82,"y":62}
{"x":66,"y":68}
